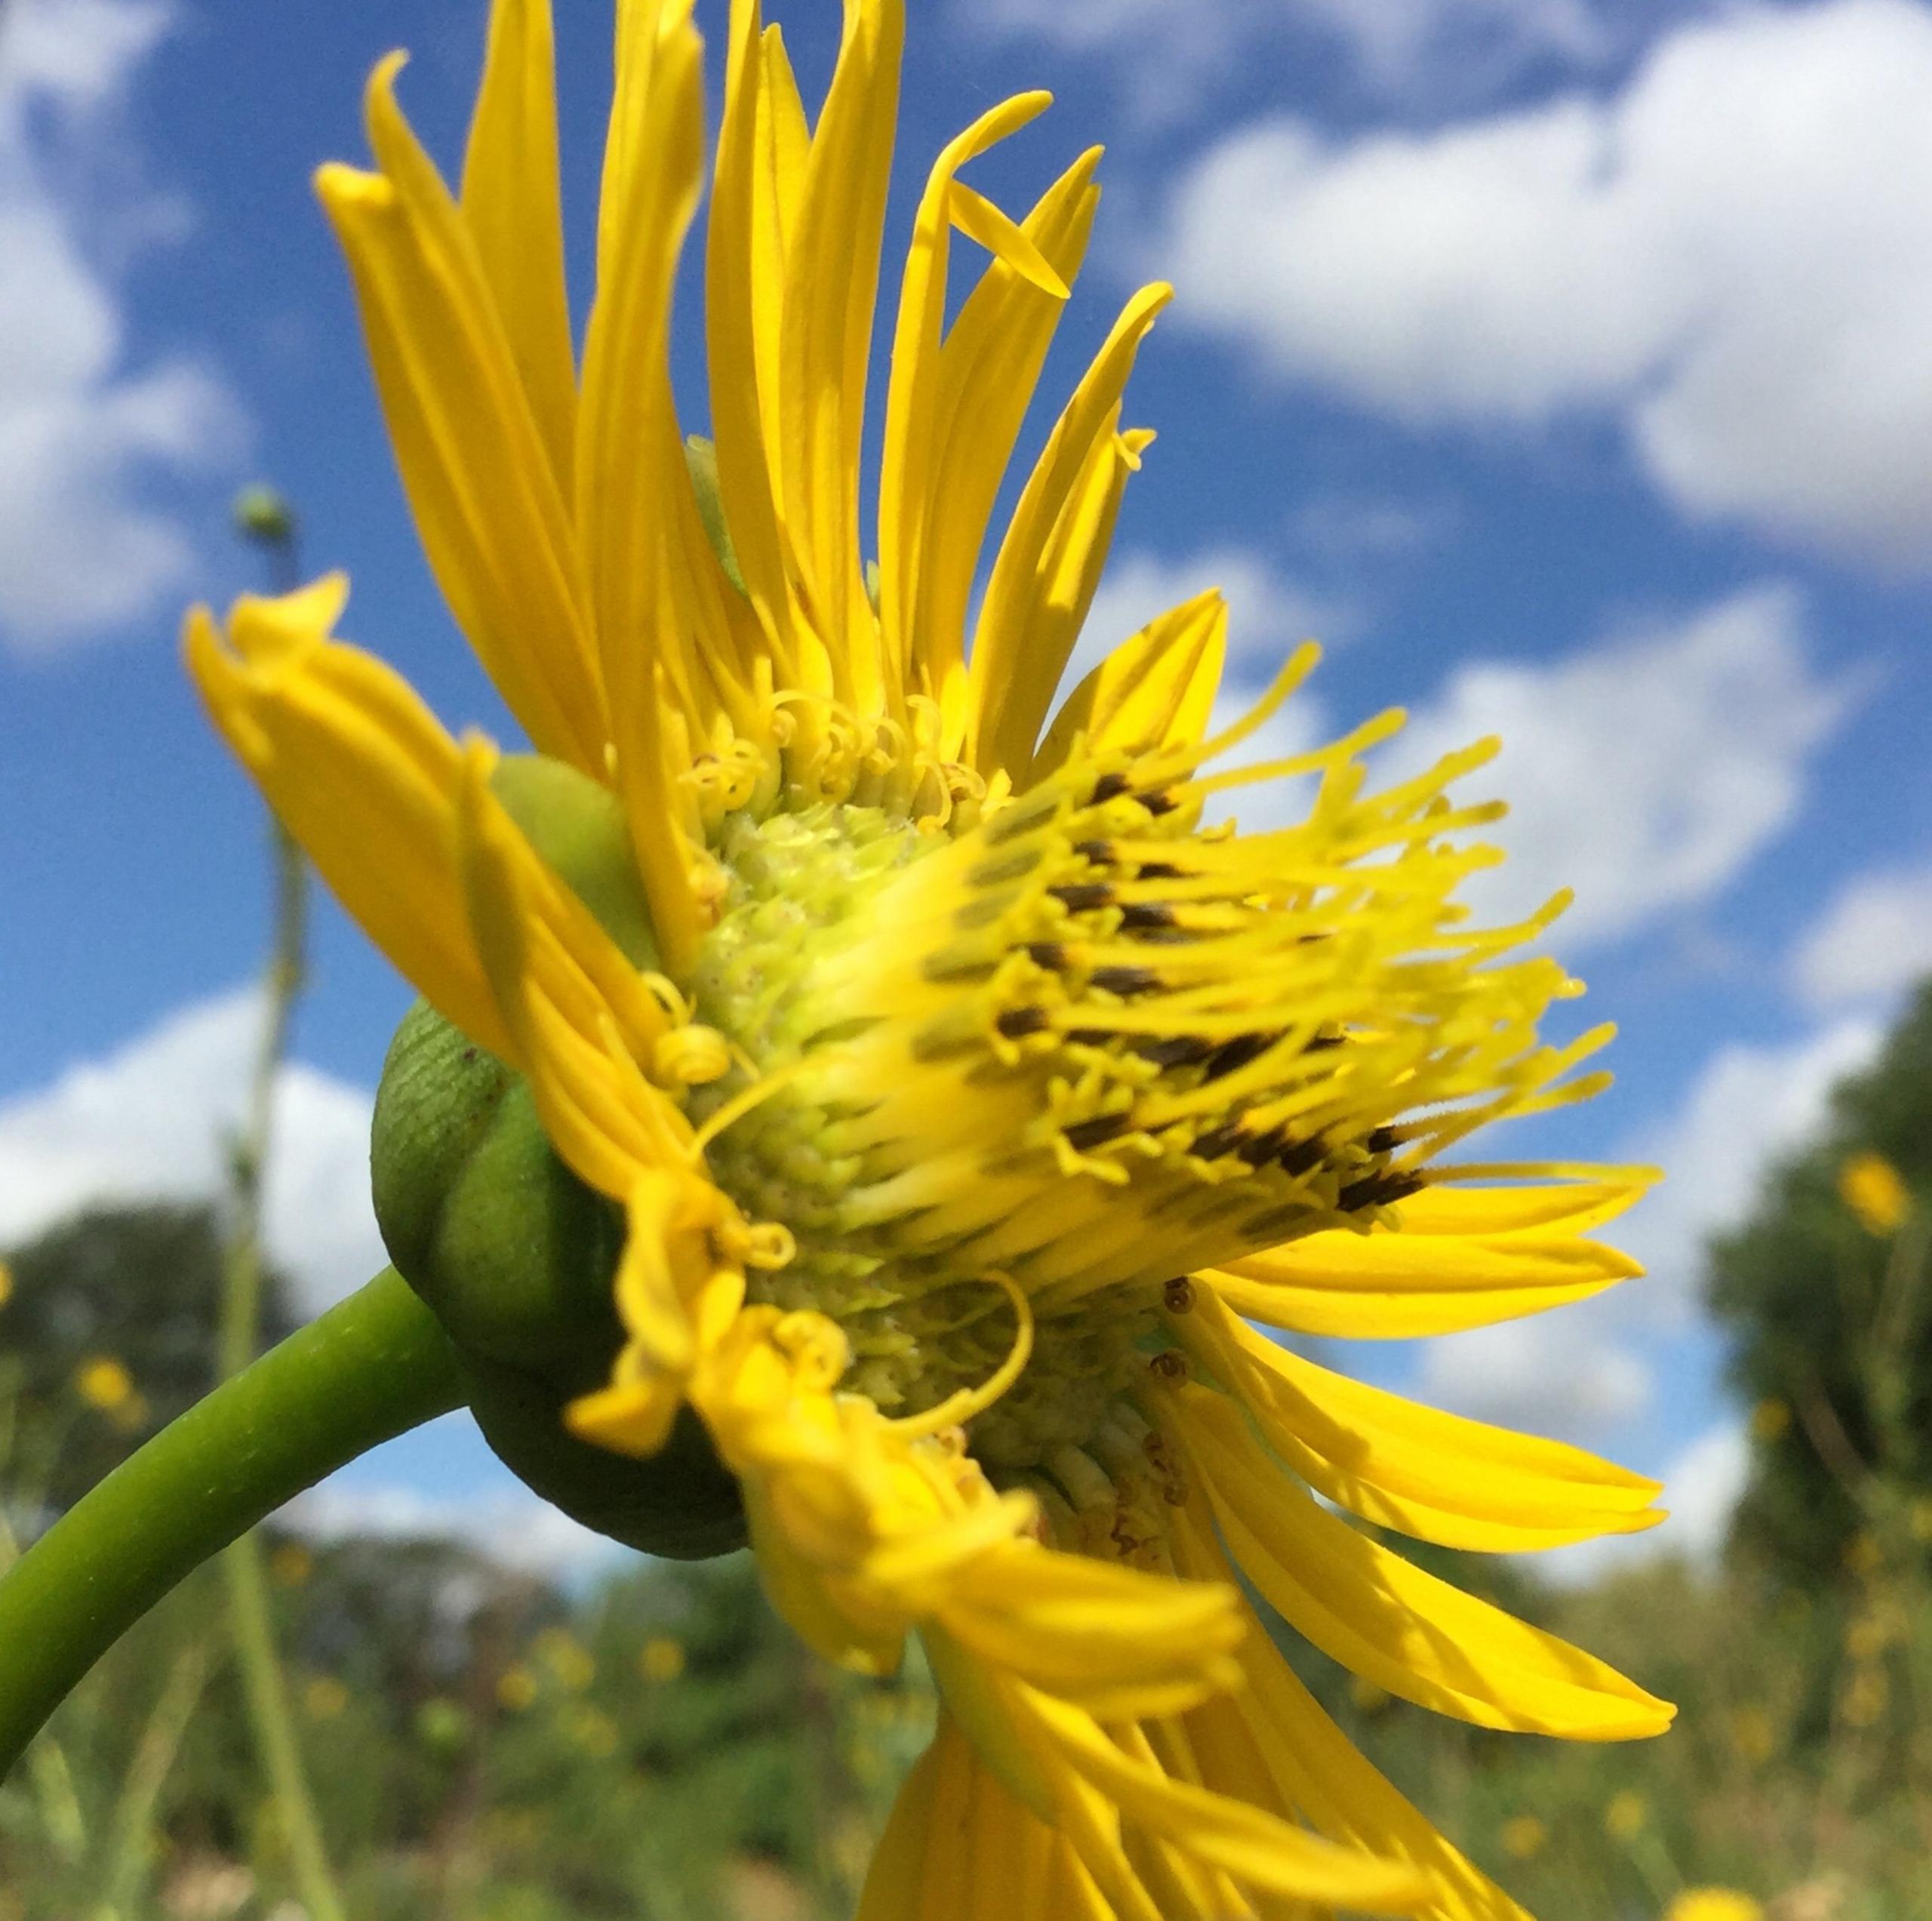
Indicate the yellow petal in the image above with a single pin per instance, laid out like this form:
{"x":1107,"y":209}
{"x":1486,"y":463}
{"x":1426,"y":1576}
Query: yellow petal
{"x":1460,"y":1483}
{"x":1412,"y":1635}
{"x":988,"y":367}
{"x":831,"y":285}
{"x":906,"y":498}
{"x":475,"y":464}
{"x":1424,"y":1276}
{"x":1276,"y":1724}
{"x":512,"y":205}
{"x":549,"y":979}
{"x":1050,"y":560}
{"x":1154,"y":690}
{"x":363,"y":775}
{"x":1260,"y":1850}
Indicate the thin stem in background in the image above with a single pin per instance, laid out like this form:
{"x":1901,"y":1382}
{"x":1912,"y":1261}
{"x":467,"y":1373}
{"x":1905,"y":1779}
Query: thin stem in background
{"x":265,"y":519}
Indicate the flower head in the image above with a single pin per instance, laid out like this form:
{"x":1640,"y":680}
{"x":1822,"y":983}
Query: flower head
{"x":1713,"y":1904}
{"x":960,"y":1097}
{"x":1871,"y":1186}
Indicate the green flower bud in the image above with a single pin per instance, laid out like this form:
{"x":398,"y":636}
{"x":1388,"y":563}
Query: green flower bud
{"x":513,"y":1254}
{"x":262,"y":514}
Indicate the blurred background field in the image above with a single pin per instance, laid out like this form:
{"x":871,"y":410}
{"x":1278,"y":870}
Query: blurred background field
{"x":485,"y":1745}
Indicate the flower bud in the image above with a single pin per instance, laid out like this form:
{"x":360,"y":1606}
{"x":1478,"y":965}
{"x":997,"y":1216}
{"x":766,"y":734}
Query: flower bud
{"x":513,"y":1254}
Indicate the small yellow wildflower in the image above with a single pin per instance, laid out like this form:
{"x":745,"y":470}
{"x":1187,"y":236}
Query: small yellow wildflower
{"x":290,"y":1564}
{"x":661,"y":1658}
{"x":1523,"y":1837}
{"x":517,"y":1688}
{"x":966,"y":1097}
{"x":1770,"y":1420}
{"x":104,"y":1384}
{"x":1872,"y":1188}
{"x":325,"y":1698}
{"x":1753,"y":1735}
{"x":1865,"y":1696}
{"x":6,"y":1284}
{"x":567,"y":1657}
{"x":593,"y":1731}
{"x":1625,"y":1814}
{"x":1713,"y":1904}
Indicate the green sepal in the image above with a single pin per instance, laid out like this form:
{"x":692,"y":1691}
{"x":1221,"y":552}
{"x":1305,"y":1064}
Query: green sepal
{"x":579,"y":830}
{"x":515,"y":1256}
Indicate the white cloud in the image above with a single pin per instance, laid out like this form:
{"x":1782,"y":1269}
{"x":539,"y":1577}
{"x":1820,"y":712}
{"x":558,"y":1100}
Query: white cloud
{"x":1875,"y":939}
{"x":1749,"y":1105}
{"x":1644,"y":772}
{"x":1727,"y":257}
{"x":509,"y":1524}
{"x":84,"y":423}
{"x":1551,"y":1375}
{"x":148,"y":1122}
{"x":1167,"y":59}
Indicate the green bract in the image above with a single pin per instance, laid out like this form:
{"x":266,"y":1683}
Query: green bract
{"x":513,"y":1254}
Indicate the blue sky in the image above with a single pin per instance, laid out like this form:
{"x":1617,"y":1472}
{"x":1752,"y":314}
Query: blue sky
{"x":1561,"y":366}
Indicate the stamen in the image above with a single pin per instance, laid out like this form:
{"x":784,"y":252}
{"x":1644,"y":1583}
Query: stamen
{"x":960,"y":1406}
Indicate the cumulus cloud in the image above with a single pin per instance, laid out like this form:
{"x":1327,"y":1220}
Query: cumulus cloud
{"x":86,"y":422}
{"x":508,"y":1524}
{"x":1167,"y":60}
{"x":1645,"y":771}
{"x":148,"y":1122}
{"x":1873,"y":939}
{"x":1726,"y":257}
{"x":1505,"y":1374}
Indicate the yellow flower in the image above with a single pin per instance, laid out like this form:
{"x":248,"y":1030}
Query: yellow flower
{"x":105,"y":1385}
{"x":325,"y":1698}
{"x":594,"y":1731}
{"x":517,"y":1688}
{"x":966,"y":1098}
{"x":661,"y":1658}
{"x":567,"y":1657}
{"x":1753,"y":1735}
{"x":6,"y":1284}
{"x":1523,"y":1835}
{"x":290,"y":1564}
{"x":1713,"y":1904}
{"x":1624,"y":1816}
{"x":1870,"y":1185}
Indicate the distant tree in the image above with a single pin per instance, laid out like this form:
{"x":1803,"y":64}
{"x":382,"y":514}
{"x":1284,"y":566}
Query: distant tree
{"x":108,"y":1332}
{"x":1825,"y":1290}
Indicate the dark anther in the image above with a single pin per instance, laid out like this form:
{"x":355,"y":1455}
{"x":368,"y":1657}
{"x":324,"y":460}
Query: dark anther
{"x":1158,"y":804}
{"x":1169,"y":1365}
{"x":1049,"y":954}
{"x":1301,"y":1157}
{"x":1382,"y":1141}
{"x":1321,"y":1043}
{"x":1159,"y":870}
{"x":1005,"y":866}
{"x":1108,"y":787}
{"x":1083,"y":896}
{"x":1147,"y":914}
{"x":1089,"y":1036}
{"x":1263,"y":1147}
{"x":1376,"y":1191}
{"x":1095,"y":1133}
{"x":1238,"y":1053}
{"x":1220,"y":1140}
{"x":1173,"y":1049}
{"x":1177,"y":1296}
{"x":1125,"y":980}
{"x":1095,"y":853}
{"x":1017,"y":1023}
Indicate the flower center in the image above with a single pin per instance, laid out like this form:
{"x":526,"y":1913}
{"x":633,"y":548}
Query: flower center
{"x":1082,"y":1045}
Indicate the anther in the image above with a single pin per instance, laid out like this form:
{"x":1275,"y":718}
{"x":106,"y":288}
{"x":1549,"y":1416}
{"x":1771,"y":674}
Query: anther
{"x":1125,"y":980}
{"x":1301,"y":1157}
{"x":1095,"y":1133}
{"x":1263,"y":1147}
{"x":1177,"y":1296}
{"x":1220,"y":1140}
{"x":1109,"y":787}
{"x":1159,"y":870}
{"x":1083,"y":896}
{"x":1376,"y":1191}
{"x":1150,"y":914}
{"x":1173,"y":1049}
{"x":1095,"y":853}
{"x":1049,"y":954}
{"x":1017,"y":1023}
{"x":1158,"y":804}
{"x":1382,"y":1141}
{"x":1170,"y":1365}
{"x":1237,"y":1053}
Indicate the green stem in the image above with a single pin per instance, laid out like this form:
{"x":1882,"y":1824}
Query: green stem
{"x":367,"y":1370}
